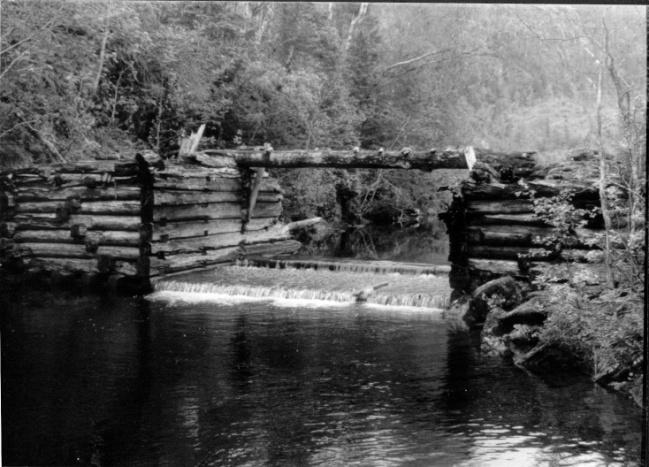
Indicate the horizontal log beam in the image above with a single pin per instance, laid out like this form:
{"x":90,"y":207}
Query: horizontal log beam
{"x":93,"y":167}
{"x":177,"y":198}
{"x":213,"y":211}
{"x":507,"y":253}
{"x":507,"y":206}
{"x":108,"y":237}
{"x":537,"y":189}
{"x":274,"y":248}
{"x":69,"y":250}
{"x":41,"y":193}
{"x":188,"y":229}
{"x":87,"y":266}
{"x":507,"y":219}
{"x":185,"y":262}
{"x":501,"y":267}
{"x":516,"y":235}
{"x":214,"y":242}
{"x":85,"y":207}
{"x":27,"y":221}
{"x":429,"y":160}
{"x":73,"y":179}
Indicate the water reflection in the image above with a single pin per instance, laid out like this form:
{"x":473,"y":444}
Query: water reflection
{"x":377,"y":242}
{"x":125,"y":382}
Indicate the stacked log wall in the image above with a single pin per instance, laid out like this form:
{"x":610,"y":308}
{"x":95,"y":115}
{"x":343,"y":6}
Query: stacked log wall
{"x":199,"y":218}
{"x":72,"y":220}
{"x":495,"y":230}
{"x":135,"y":220}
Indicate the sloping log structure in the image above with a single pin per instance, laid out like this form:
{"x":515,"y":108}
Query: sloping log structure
{"x":498,"y":226}
{"x":405,"y":159}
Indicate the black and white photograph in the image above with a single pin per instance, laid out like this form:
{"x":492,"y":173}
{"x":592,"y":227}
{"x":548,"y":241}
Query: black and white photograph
{"x":322,"y":234}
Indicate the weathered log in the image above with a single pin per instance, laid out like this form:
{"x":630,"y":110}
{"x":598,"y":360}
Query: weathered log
{"x":47,"y":193}
{"x":498,"y":267}
{"x":69,"y":250}
{"x":274,"y":248}
{"x":510,"y":253}
{"x":537,"y":189}
{"x":44,"y":221}
{"x":90,"y":166}
{"x":87,"y":266}
{"x":212,"y":183}
{"x":518,"y":164}
{"x":430,"y":160}
{"x":516,"y":235}
{"x":212,"y":211}
{"x":178,"y":172}
{"x":208,"y":159}
{"x":507,"y":206}
{"x":198,"y":184}
{"x":73,"y":179}
{"x":87,"y":207}
{"x":507,"y":219}
{"x":213,"y":242}
{"x":179,"y":230}
{"x":177,"y":198}
{"x":184,"y":262}
{"x":109,"y":237}
{"x":295,"y":225}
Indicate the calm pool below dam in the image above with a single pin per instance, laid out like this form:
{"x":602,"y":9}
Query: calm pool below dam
{"x":129,"y":381}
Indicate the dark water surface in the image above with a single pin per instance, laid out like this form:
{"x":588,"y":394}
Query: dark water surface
{"x":130,"y":382}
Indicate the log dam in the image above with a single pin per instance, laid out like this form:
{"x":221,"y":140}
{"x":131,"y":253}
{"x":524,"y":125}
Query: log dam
{"x":124,"y":222}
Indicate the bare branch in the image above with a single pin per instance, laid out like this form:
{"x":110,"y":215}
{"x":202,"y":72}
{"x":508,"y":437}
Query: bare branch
{"x":416,"y":59}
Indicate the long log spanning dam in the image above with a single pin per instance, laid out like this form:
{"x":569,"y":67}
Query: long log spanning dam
{"x":133,"y":223}
{"x":246,"y":353}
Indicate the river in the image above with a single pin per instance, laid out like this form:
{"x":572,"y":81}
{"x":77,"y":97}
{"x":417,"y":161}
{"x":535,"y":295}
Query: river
{"x":130,"y":381}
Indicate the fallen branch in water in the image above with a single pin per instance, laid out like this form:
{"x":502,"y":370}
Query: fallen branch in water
{"x":364,"y":294}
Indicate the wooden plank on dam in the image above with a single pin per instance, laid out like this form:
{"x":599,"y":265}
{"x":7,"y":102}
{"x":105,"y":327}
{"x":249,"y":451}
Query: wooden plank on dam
{"x":211,"y":183}
{"x":178,"y":198}
{"x":68,"y":250}
{"x":213,"y":211}
{"x":429,"y":160}
{"x":507,"y":206}
{"x":27,"y":221}
{"x":108,"y":237}
{"x":212,"y":242}
{"x":86,"y":207}
{"x":87,"y":266}
{"x":41,"y":193}
{"x":183,"y":262}
{"x":178,"y":230}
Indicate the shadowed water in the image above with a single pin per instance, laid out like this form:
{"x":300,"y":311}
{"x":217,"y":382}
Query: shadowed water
{"x":137,"y":383}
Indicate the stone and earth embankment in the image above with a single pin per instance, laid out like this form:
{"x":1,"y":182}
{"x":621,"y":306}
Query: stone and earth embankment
{"x":526,"y":254}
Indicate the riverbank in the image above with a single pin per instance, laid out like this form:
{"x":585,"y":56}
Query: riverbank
{"x":564,"y":319}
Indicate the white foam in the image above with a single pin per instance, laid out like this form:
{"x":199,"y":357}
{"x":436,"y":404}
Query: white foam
{"x":174,"y":296}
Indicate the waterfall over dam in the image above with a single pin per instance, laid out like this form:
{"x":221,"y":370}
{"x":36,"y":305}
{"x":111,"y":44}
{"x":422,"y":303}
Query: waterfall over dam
{"x":246,"y":283}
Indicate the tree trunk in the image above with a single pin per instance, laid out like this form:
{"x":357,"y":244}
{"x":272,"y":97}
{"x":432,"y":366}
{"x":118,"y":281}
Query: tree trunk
{"x":602,"y":184}
{"x":102,"y":54}
{"x":184,"y":262}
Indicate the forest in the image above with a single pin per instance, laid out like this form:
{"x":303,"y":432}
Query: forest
{"x":92,"y":80}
